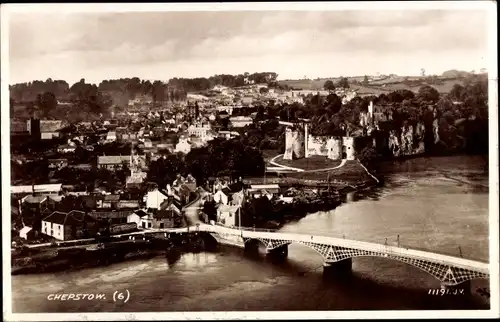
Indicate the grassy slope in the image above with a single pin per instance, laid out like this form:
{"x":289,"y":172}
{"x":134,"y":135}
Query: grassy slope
{"x":351,"y":172}
{"x":375,"y":88}
{"x":315,"y":162}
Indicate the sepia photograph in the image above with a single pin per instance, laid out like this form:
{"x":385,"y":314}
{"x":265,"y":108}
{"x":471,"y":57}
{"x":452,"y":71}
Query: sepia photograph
{"x":249,"y":160}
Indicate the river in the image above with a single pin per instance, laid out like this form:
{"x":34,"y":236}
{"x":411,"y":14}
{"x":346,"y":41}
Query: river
{"x":438,"y":204}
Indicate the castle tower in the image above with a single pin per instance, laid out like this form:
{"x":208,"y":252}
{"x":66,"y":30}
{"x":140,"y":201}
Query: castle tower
{"x":348,"y":145}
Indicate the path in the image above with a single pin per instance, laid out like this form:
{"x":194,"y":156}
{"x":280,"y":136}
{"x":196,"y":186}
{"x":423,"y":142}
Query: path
{"x":273,"y":162}
{"x":192,"y":211}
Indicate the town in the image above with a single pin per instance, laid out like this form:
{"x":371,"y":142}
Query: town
{"x":246,"y":150}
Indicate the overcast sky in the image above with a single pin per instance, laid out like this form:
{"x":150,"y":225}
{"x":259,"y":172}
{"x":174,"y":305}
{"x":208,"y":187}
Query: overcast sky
{"x":161,"y":45}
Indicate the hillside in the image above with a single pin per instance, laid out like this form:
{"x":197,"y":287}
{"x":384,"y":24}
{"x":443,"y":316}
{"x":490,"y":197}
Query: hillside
{"x":444,"y":84}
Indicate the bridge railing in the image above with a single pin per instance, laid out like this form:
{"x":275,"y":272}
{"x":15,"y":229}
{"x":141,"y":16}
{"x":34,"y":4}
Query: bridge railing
{"x":247,"y":228}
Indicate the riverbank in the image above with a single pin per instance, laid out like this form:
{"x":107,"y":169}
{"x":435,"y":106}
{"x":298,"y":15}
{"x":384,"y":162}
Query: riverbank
{"x":330,"y":191}
{"x":54,"y":259}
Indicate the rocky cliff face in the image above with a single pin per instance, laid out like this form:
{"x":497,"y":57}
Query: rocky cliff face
{"x":409,"y":140}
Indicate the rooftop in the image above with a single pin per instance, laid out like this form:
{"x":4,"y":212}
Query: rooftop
{"x":56,"y":187}
{"x":113,"y":159}
{"x":228,"y":208}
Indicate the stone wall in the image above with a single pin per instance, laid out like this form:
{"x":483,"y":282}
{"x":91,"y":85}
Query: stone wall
{"x":328,"y":146}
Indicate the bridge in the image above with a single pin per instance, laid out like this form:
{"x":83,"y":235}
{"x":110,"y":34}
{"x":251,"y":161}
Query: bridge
{"x":338,"y":253}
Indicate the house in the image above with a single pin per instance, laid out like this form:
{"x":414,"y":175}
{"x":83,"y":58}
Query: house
{"x":222,"y":196}
{"x":128,"y":204}
{"x":49,"y":129}
{"x":228,"y":215}
{"x":183,"y":146}
{"x":108,"y":201}
{"x":171,"y":205}
{"x":155,"y":198}
{"x":111,"y":136}
{"x":228,"y":134}
{"x":66,"y":148}
{"x":237,"y":198}
{"x":159,"y":220}
{"x":111,"y":217}
{"x":190,"y":182}
{"x":28,"y":233}
{"x":37,"y":189}
{"x":136,"y":216}
{"x":200,"y":131}
{"x":240,"y":121}
{"x":261,"y":190}
{"x":57,"y":163}
{"x":148,"y":144}
{"x":183,"y":193}
{"x":81,"y":166}
{"x":67,"y":226}
{"x":112,"y":162}
{"x":18,"y":128}
{"x":34,"y":202}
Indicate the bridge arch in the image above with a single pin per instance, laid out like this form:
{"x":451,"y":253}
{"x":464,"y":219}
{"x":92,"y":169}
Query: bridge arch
{"x":446,"y":274}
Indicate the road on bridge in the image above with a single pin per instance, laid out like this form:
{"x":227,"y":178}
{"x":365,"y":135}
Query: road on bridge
{"x":192,"y":212}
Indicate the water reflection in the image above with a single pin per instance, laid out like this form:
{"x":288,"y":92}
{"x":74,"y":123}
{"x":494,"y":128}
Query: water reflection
{"x":416,"y":202}
{"x":172,"y":257}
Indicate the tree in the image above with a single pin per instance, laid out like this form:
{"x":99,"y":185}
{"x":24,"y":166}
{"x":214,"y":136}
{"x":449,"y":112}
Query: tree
{"x":329,"y":86}
{"x":457,"y":92}
{"x":428,"y":94}
{"x":365,"y":80}
{"x":46,"y":102}
{"x":343,"y":82}
{"x":333,"y":104}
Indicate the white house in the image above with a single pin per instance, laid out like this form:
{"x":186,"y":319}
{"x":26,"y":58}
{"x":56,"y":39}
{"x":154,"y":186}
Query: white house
{"x":200,"y":131}
{"x":155,"y":198}
{"x":240,"y":121}
{"x":27,"y":233}
{"x":135,"y":217}
{"x":66,"y":226}
{"x":221,"y":196}
{"x":261,"y":190}
{"x":183,"y":146}
{"x":228,"y":215}
{"x":111,"y":136}
{"x":237,"y":198}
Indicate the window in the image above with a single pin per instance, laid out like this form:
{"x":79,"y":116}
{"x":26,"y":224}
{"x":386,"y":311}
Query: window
{"x":149,"y":225}
{"x":143,"y":224}
{"x":161,"y":225}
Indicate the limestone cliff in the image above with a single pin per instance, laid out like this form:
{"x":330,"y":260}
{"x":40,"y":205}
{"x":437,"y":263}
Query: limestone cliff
{"x":408,"y":140}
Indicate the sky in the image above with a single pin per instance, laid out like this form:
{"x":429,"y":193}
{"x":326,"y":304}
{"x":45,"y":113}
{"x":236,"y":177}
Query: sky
{"x":294,"y":44}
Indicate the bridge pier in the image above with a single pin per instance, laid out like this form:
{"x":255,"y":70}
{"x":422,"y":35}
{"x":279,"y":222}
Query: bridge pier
{"x":338,"y":269}
{"x":278,"y":253}
{"x":462,"y":289}
{"x":251,"y":248}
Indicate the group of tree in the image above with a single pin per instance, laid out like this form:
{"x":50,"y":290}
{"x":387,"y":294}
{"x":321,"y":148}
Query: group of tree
{"x":218,"y":158}
{"x":343,"y":82}
{"x":329,"y":116}
{"x":173,"y":90}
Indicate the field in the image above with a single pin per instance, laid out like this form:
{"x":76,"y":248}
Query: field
{"x":314,"y":162}
{"x":375,"y":87}
{"x":351,"y":172}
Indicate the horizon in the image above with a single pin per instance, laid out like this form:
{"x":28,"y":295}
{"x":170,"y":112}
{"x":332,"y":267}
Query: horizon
{"x":278,"y":79}
{"x":99,"y":46}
